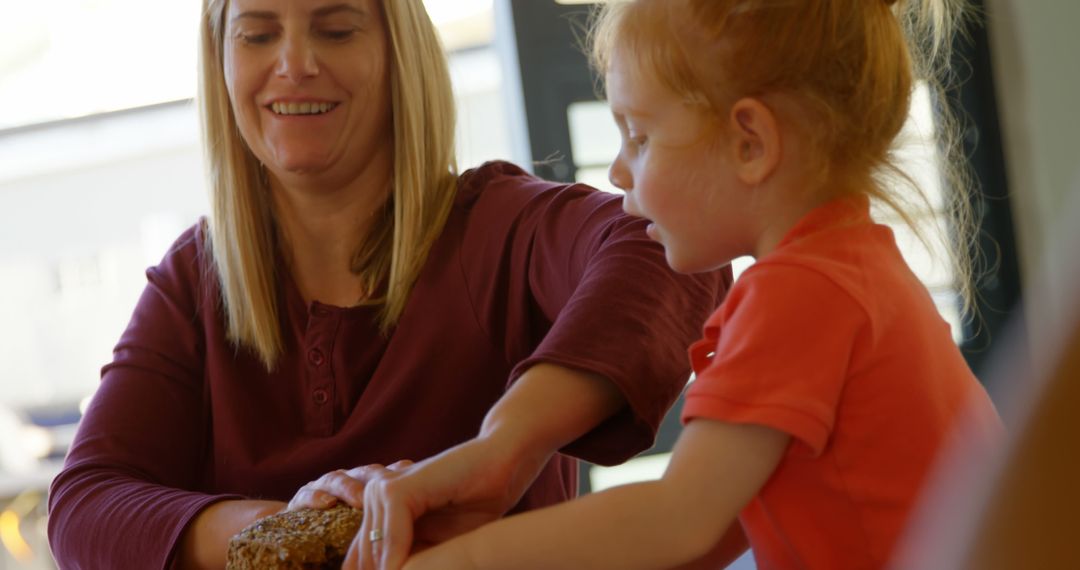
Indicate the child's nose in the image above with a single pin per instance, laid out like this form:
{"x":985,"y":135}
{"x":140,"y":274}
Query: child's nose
{"x":619,"y":176}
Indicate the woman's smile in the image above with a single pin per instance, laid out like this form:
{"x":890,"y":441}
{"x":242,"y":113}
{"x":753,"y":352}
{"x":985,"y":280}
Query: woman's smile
{"x":301,"y":108}
{"x":310,"y":86}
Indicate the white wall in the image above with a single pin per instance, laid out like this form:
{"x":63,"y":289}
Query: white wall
{"x":85,"y":207}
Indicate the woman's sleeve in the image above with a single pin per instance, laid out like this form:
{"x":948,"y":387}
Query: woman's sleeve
{"x":600,"y":298}
{"x":122,"y":498}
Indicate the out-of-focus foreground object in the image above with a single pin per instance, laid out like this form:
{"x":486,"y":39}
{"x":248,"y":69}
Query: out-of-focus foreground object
{"x":1015,"y":507}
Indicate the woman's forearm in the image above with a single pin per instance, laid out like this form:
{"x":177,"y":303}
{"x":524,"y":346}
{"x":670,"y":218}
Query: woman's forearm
{"x":205,"y":542}
{"x":547,"y":408}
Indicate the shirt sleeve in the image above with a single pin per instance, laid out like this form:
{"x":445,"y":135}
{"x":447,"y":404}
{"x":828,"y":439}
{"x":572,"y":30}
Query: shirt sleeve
{"x":785,"y":339}
{"x":120,"y":500}
{"x":588,"y":290}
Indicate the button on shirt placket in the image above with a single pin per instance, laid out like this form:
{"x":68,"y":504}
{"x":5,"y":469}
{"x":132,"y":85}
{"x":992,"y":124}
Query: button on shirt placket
{"x":319,"y":345}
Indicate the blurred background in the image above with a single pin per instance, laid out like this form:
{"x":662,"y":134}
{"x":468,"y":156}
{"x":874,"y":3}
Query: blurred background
{"x":100,"y":169}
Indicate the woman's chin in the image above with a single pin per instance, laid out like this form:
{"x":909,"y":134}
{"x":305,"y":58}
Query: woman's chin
{"x":300,"y":165}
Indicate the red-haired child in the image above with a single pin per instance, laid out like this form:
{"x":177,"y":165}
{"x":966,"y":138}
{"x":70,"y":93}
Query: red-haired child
{"x":826,"y":382}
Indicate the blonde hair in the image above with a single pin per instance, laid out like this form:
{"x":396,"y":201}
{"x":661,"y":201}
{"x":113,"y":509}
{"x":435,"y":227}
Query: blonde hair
{"x":242,"y":238}
{"x":851,"y":64}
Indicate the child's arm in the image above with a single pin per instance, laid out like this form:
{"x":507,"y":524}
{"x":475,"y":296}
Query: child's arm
{"x":715,"y":470}
{"x":727,"y":550}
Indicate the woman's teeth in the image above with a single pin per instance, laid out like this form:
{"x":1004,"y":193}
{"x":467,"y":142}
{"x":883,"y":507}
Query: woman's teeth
{"x":301,"y":108}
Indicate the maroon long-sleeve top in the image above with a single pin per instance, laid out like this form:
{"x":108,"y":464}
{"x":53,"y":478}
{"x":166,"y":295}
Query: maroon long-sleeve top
{"x":525,"y":271}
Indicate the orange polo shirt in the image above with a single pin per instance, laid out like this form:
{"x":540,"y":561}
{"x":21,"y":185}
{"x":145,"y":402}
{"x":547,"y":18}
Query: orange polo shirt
{"x":832,"y":339}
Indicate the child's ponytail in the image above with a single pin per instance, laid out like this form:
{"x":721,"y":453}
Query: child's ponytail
{"x":931,"y":28}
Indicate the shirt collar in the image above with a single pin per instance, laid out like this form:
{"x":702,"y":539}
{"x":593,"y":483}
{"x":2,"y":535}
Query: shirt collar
{"x":846,"y":210}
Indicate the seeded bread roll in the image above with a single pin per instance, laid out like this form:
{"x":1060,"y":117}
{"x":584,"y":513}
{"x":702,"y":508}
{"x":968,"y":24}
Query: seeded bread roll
{"x":304,"y":539}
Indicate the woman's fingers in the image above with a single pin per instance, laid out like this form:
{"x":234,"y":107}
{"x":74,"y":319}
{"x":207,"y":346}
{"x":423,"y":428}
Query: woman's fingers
{"x":366,"y":473}
{"x":386,"y":531}
{"x":352,"y":557}
{"x":328,"y":489}
{"x":310,"y":497}
{"x":397,"y":524}
{"x":388,"y":523}
{"x":400,"y":465}
{"x":371,"y":533}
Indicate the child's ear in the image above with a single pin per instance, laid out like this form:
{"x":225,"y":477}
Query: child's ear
{"x":756,"y":140}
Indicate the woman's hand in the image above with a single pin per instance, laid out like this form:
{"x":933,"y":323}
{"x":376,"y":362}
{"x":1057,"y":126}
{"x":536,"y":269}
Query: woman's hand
{"x":339,"y":485}
{"x":205,"y":542}
{"x":476,"y":482}
{"x":413,"y":507}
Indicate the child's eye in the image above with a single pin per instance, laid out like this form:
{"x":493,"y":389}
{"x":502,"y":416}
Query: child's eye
{"x":638,"y":141}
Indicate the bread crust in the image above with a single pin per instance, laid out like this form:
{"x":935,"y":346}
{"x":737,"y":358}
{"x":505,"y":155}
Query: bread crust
{"x":304,"y":539}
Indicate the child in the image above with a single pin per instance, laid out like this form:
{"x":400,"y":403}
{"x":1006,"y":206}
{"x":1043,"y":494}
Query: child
{"x":826,"y":381}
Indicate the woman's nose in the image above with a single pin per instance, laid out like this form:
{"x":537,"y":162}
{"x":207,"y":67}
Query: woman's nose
{"x":296,"y":60}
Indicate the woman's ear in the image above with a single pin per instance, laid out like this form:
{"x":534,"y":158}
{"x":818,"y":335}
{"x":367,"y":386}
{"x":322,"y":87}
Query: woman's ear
{"x":756,"y":139}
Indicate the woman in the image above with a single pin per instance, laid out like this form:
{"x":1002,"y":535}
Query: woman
{"x":351,"y":300}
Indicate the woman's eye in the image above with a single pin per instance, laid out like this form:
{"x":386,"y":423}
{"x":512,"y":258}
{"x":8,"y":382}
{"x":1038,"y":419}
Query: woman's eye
{"x":338,"y":34}
{"x":255,"y":38}
{"x":638,"y":140}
